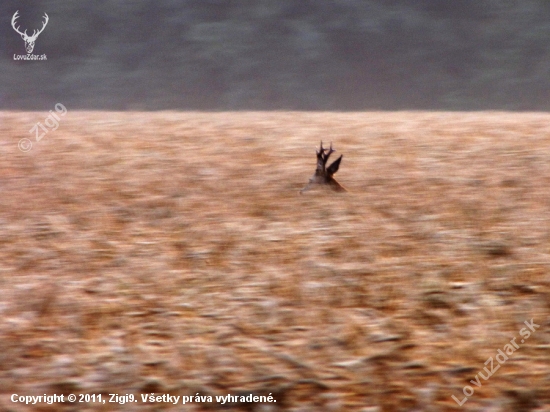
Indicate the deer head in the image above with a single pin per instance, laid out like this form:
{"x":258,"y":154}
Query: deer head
{"x":323,"y":175}
{"x":29,"y":40}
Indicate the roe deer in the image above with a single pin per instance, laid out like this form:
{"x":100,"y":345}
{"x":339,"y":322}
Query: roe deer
{"x":323,"y":175}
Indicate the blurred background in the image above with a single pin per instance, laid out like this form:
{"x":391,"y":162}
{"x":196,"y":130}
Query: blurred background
{"x":279,"y":55}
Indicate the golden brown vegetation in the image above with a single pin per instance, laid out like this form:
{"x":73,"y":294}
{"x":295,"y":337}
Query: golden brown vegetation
{"x":171,"y":253}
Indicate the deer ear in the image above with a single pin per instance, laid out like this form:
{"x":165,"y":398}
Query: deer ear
{"x":333,"y":168}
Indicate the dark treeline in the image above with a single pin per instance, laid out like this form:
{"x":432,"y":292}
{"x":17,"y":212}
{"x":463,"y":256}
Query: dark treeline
{"x":279,"y":54}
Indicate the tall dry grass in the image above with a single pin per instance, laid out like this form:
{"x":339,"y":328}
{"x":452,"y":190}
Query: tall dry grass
{"x":171,"y":253}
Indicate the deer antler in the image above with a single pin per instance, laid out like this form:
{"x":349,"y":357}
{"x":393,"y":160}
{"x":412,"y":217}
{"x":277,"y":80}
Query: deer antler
{"x":329,"y":152}
{"x":35,"y":32}
{"x":15,"y":17}
{"x":322,"y":158}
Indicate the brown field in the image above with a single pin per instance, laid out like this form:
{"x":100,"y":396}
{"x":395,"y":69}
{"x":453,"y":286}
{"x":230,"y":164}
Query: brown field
{"x":171,"y":253}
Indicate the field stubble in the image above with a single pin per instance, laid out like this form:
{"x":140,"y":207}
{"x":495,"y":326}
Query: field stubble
{"x":171,"y":253}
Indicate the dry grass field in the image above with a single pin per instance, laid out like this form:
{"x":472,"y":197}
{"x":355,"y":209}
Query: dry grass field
{"x":171,"y":253}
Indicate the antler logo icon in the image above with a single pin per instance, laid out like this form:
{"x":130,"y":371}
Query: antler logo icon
{"x":29,"y":40}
